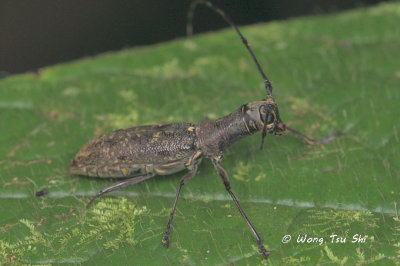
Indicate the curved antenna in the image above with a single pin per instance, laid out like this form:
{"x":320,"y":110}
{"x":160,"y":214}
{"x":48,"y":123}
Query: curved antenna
{"x":189,"y":32}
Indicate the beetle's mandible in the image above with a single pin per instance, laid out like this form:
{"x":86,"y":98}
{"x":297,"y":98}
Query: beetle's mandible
{"x":142,"y":152}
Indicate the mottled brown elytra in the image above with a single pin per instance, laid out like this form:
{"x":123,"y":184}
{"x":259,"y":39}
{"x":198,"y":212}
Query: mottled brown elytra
{"x":142,"y":152}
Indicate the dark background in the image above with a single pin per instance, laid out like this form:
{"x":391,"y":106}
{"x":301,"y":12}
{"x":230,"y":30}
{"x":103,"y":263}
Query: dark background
{"x":37,"y":33}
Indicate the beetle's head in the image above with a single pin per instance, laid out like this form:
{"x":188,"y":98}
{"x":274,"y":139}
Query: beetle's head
{"x":263,"y":115}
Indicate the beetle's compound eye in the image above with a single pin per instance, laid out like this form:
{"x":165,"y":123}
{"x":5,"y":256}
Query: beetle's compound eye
{"x":270,"y":116}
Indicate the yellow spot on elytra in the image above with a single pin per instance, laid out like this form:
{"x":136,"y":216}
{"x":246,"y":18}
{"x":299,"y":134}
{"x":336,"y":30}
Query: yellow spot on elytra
{"x":83,"y":153}
{"x":155,"y":137}
{"x":124,"y":171}
{"x":160,"y":172}
{"x":169,"y":164}
{"x":189,"y":162}
{"x":197,"y":154}
{"x":194,"y":157}
{"x":100,"y":173}
{"x":191,"y":129}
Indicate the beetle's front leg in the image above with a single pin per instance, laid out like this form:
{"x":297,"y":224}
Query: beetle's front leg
{"x":184,"y":180}
{"x":224,"y":178}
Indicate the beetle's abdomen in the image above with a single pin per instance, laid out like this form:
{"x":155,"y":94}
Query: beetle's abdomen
{"x":136,"y":151}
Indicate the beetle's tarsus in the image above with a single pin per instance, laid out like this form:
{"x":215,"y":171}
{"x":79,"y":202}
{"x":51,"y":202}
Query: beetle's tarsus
{"x":165,"y":240}
{"x":264,"y":252}
{"x":91,"y":202}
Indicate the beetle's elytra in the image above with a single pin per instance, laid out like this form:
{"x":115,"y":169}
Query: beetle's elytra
{"x":139,"y":153}
{"x":161,"y":149}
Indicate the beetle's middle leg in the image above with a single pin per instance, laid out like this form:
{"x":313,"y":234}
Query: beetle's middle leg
{"x":184,"y":180}
{"x":224,"y":178}
{"x":119,"y":185}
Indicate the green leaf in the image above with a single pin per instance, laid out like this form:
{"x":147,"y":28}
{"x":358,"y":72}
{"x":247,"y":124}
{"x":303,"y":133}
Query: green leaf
{"x":336,"y":72}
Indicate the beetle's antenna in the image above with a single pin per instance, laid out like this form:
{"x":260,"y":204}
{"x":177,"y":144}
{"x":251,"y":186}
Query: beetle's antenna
{"x":189,"y":32}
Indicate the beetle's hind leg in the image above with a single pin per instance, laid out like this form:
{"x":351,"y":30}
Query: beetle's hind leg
{"x":189,"y":175}
{"x":119,"y":185}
